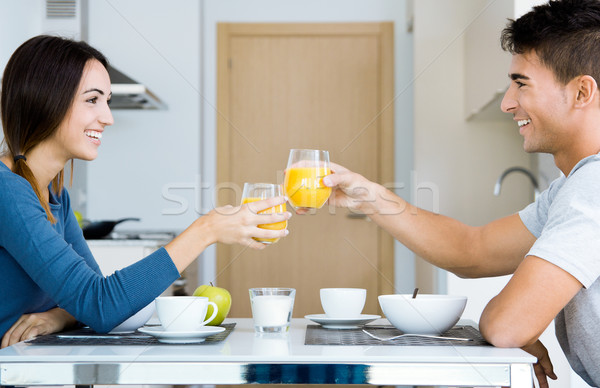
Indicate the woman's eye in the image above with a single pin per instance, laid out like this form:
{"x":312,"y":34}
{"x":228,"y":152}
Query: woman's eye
{"x":92,"y":100}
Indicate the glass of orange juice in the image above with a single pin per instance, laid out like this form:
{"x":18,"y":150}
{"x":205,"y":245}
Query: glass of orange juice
{"x":304,"y":178}
{"x":257,"y":191}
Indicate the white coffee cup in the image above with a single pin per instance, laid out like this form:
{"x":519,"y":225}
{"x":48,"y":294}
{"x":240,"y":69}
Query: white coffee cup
{"x":183,"y":313}
{"x":343,"y":302}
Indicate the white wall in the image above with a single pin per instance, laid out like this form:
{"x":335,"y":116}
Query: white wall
{"x":19,"y":21}
{"x":317,"y":11}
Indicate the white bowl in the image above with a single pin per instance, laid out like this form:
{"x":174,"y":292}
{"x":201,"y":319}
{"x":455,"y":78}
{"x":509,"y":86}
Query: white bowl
{"x":136,"y":321}
{"x":425,"y":314}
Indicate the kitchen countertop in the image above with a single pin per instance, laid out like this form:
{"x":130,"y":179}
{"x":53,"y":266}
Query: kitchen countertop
{"x":128,"y":242}
{"x":246,"y":357}
{"x":135,"y":238}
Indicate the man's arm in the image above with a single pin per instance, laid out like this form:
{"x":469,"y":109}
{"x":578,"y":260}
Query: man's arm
{"x":525,"y":307}
{"x":520,"y":313}
{"x":494,"y":249}
{"x":491,"y":250}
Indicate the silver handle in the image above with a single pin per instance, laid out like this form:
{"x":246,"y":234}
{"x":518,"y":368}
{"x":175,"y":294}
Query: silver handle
{"x":356,"y":216}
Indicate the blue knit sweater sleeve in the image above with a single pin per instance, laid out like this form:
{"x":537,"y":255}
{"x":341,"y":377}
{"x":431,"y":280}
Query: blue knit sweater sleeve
{"x":62,"y":267}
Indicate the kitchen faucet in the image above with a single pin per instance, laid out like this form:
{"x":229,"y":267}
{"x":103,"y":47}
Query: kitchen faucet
{"x":534,"y":182}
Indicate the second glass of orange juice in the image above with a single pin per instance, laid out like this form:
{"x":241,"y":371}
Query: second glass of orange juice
{"x":258,"y":191}
{"x":304,"y":178}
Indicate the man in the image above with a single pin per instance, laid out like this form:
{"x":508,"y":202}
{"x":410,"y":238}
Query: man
{"x":552,"y":247}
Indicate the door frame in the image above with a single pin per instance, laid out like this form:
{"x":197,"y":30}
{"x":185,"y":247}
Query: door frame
{"x":384,"y":31}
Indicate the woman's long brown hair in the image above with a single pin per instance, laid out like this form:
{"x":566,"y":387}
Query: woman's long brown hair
{"x":38,"y":88}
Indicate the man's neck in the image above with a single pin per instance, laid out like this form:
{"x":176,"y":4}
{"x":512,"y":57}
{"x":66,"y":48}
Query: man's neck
{"x":567,"y":160}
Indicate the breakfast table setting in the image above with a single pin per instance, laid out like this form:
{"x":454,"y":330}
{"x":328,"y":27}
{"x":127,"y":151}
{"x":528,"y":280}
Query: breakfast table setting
{"x":274,"y":348}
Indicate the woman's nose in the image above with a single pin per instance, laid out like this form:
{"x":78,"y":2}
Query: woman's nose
{"x":107,"y":117}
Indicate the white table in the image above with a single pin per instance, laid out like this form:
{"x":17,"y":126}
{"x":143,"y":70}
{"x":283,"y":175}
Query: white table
{"x":245,"y":357}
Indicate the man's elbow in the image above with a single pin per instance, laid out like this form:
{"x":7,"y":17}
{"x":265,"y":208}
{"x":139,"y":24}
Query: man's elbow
{"x":464,"y":274}
{"x":468,"y":271}
{"x":504,"y":334}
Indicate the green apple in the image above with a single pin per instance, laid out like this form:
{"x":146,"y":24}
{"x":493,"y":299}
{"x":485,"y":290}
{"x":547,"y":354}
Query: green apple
{"x":79,"y":218}
{"x":222,"y":299}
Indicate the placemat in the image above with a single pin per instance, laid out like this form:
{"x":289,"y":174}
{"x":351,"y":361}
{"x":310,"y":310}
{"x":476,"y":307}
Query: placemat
{"x":318,"y":335}
{"x":87,"y":336}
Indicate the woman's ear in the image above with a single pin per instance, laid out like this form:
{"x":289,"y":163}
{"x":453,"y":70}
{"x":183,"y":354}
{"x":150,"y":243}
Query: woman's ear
{"x":587,"y":90}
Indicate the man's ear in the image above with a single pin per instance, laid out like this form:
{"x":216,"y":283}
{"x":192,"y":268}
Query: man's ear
{"x":587,"y":90}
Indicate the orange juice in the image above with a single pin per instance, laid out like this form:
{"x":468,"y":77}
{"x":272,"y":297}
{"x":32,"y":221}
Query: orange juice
{"x":276,"y":226}
{"x":304,"y":186}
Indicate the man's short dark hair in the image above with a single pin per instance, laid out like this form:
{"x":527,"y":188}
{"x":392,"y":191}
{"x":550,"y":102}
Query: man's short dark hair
{"x":564,"y":34}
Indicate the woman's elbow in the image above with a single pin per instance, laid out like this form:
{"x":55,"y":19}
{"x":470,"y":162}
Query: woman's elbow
{"x":102,"y":326}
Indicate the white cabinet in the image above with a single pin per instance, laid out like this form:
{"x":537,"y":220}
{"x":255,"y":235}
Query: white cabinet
{"x":486,"y":64}
{"x":112,"y":255}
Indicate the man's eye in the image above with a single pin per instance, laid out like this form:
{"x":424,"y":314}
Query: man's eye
{"x":519,"y":84}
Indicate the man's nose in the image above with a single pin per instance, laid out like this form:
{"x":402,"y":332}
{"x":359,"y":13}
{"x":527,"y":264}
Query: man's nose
{"x":509,"y":102}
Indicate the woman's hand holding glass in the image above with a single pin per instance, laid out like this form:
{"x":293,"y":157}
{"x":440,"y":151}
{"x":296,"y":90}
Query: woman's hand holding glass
{"x":254,"y":192}
{"x":243,"y":224}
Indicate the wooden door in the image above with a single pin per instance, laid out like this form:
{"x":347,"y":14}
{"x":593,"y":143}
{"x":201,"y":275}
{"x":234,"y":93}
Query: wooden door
{"x":317,"y":86}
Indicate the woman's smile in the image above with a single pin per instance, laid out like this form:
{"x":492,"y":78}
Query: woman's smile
{"x":94,"y":136}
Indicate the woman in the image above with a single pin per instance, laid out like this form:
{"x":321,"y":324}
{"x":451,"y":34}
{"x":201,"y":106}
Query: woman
{"x":54,"y":105}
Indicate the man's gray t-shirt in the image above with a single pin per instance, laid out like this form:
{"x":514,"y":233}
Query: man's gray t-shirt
{"x":565,"y":219}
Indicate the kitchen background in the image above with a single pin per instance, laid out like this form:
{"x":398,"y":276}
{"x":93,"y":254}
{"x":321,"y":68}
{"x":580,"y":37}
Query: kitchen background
{"x":451,"y":140}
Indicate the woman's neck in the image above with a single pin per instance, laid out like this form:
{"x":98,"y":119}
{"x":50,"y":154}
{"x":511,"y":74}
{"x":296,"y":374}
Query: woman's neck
{"x":6,"y":160}
{"x":44,"y":165}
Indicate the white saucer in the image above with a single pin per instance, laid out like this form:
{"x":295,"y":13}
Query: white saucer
{"x":342,"y":323}
{"x":181,"y":337}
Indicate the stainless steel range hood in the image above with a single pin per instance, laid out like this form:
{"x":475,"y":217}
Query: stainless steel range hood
{"x":129,"y":94}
